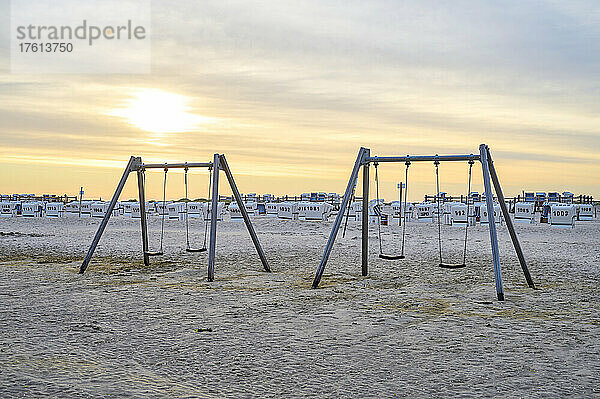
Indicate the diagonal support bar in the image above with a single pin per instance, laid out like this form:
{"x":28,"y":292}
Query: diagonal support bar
{"x":489,"y":201}
{"x":340,"y":215}
{"x":247,"y":221}
{"x":509,"y":224}
{"x":133,"y":164}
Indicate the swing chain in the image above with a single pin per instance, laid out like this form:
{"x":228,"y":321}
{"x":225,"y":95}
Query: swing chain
{"x":403,"y":208}
{"x":437,"y":200}
{"x":209,"y":201}
{"x":471,"y":163}
{"x":377,"y":208}
{"x":187,"y":228}
{"x":164,"y":209}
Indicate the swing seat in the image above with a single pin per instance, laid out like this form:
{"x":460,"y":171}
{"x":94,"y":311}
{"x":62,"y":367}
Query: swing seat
{"x":193,"y":250}
{"x":150,"y":253}
{"x":391,"y":257}
{"x":452,"y":265}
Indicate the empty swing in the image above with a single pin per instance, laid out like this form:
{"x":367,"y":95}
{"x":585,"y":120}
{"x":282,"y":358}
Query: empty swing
{"x":188,"y":248}
{"x":437,"y":183}
{"x":378,"y":211}
{"x":162,"y":218}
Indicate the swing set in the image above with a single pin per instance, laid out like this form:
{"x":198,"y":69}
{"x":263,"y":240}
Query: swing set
{"x":490,"y":177}
{"x":219,"y":163}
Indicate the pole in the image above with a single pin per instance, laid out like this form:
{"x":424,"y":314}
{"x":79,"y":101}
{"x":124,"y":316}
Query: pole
{"x":489,"y":201}
{"x":142,"y":197}
{"x":236,"y":194}
{"x":339,"y":217}
{"x":133,"y":163}
{"x":365,"y":217}
{"x":213,"y":218}
{"x":80,"y":199}
{"x":509,"y":223}
{"x":401,"y":210}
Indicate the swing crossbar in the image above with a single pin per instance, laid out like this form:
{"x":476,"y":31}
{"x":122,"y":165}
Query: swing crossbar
{"x":423,"y":158}
{"x":179,"y":165}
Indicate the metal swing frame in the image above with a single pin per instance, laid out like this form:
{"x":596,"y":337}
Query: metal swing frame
{"x":364,"y":159}
{"x":219,"y":163}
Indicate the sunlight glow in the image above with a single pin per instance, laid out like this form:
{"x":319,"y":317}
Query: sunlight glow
{"x":158,"y":111}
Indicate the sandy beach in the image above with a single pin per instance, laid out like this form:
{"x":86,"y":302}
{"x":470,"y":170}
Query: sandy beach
{"x":408,"y":329}
{"x":291,"y":113}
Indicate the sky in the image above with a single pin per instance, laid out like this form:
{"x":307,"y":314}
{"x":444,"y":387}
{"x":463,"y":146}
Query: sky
{"x":290,"y":90}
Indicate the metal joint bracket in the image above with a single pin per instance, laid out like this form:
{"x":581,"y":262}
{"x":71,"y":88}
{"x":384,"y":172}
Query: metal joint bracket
{"x":137,"y":164}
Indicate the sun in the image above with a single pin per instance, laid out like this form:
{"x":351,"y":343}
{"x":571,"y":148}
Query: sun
{"x":159,"y":111}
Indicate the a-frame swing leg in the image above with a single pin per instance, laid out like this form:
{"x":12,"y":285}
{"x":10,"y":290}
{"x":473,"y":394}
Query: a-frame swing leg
{"x":340,"y":215}
{"x":489,"y":201}
{"x":247,"y":221}
{"x":143,"y":220}
{"x":509,"y":224}
{"x":365,"y":216}
{"x":133,"y":164}
{"x":213,"y":218}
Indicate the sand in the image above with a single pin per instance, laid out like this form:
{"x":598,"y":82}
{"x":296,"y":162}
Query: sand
{"x":408,"y":329}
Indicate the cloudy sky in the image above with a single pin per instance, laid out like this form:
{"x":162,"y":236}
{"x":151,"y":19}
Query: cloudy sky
{"x":289,"y":91}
